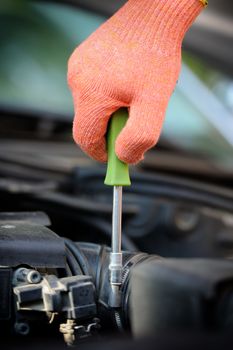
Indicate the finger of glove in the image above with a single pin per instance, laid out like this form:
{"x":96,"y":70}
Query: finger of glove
{"x":92,"y":113}
{"x":141,"y":132}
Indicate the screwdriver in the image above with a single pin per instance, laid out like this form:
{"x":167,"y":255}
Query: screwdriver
{"x":117,"y":176}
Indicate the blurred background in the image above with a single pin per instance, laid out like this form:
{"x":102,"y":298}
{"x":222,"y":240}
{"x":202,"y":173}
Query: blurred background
{"x":37,"y":38}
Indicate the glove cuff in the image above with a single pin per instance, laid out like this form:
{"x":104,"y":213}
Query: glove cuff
{"x":156,"y":24}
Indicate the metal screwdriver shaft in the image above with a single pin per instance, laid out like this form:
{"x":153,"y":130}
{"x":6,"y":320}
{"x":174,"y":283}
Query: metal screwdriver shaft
{"x":117,"y":176}
{"x":116,"y":255}
{"x":115,"y":266}
{"x":116,"y":219}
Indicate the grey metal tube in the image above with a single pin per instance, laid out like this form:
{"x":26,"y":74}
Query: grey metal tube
{"x":116,"y":219}
{"x":115,"y":265}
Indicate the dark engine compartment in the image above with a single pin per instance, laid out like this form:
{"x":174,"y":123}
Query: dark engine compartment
{"x":54,"y":283}
{"x":177,"y":244}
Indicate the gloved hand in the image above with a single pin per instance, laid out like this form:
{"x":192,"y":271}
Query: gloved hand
{"x":133,"y":60}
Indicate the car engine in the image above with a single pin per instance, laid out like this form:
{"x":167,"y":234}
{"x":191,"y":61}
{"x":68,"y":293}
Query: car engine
{"x":55,"y":250}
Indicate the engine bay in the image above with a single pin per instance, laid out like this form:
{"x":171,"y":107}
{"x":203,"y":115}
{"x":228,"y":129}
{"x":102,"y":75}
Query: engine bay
{"x":55,"y":233}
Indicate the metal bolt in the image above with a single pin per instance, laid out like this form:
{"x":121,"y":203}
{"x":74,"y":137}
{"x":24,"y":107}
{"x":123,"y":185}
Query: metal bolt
{"x":26,"y":275}
{"x":186,"y":220}
{"x":33,"y":277}
{"x":22,"y":328}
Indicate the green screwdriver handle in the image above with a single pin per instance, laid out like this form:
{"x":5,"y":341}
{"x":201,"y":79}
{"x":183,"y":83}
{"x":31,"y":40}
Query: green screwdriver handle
{"x":117,"y":171}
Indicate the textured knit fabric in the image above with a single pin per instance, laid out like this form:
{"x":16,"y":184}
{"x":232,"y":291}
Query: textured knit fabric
{"x":133,"y":60}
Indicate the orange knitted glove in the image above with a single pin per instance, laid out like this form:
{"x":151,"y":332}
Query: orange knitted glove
{"x":133,"y":60}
